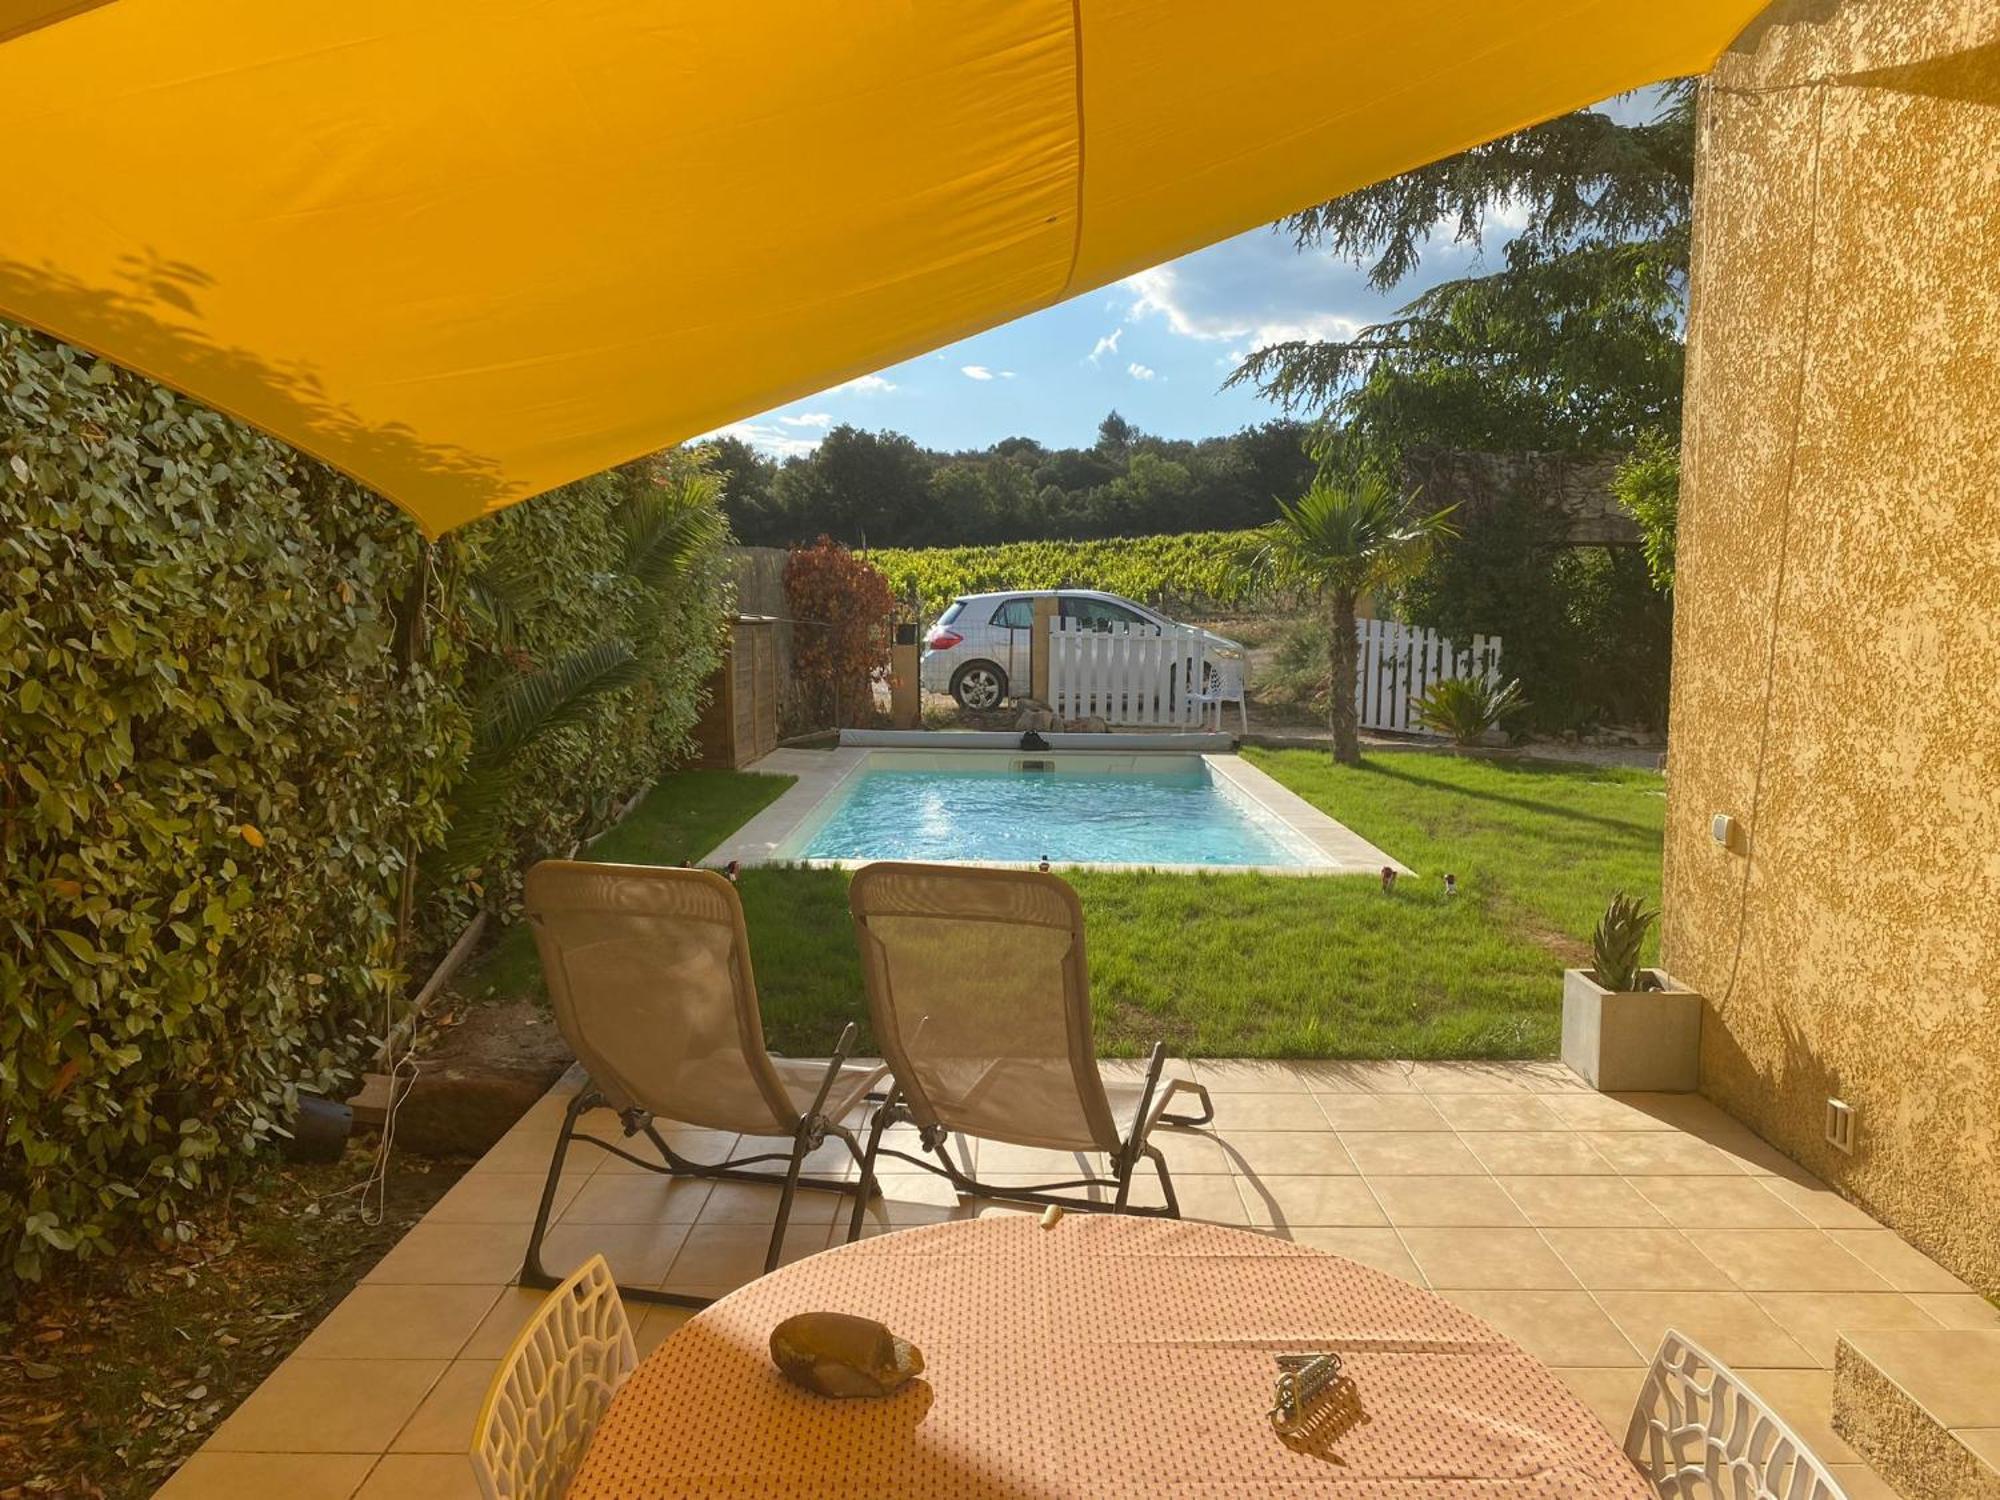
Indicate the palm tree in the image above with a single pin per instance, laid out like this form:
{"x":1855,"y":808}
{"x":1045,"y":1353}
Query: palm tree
{"x":1341,"y":540}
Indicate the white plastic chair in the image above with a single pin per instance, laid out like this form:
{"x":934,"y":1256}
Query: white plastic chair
{"x":552,"y":1388}
{"x":1226,"y":687}
{"x":1698,"y":1430}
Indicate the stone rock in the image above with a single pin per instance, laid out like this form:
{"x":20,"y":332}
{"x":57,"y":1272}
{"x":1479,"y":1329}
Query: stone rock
{"x":1091,"y":725}
{"x":1040,"y":720}
{"x":840,"y":1355}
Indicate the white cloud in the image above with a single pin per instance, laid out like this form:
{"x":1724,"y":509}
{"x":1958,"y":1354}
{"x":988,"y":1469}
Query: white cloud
{"x":1141,"y":372}
{"x":864,"y":385}
{"x":809,"y":419}
{"x":774,"y":441}
{"x":1167,"y":292}
{"x":1107,"y":345}
{"x":975,"y":372}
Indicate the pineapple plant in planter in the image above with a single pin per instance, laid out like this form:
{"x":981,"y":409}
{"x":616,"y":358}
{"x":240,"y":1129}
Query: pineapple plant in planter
{"x":1627,"y":1027}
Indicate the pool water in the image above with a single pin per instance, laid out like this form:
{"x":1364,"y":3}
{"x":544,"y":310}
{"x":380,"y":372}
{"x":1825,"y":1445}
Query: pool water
{"x":1171,"y":817}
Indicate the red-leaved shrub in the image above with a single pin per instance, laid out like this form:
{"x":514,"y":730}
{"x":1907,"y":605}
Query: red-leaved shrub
{"x":842,"y":608}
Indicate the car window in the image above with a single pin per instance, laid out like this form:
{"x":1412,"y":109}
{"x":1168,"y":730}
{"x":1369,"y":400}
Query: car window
{"x":1099,"y":614}
{"x":1016,"y":614}
{"x":952,"y":612}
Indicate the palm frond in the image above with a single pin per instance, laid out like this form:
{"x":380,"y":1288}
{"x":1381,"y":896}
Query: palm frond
{"x":667,"y":527}
{"x":519,"y":708}
{"x":1356,"y":535}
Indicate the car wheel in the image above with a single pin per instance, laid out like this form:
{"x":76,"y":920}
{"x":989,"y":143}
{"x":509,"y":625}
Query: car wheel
{"x":979,"y":685}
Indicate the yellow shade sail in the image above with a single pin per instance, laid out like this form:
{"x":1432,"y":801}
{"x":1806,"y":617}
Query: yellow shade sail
{"x":467,"y":250}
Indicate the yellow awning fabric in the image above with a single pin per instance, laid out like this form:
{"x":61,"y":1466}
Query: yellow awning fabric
{"x":467,"y":250}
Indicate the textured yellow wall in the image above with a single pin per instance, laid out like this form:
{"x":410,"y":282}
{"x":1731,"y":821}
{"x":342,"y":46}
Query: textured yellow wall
{"x":1837,"y":631}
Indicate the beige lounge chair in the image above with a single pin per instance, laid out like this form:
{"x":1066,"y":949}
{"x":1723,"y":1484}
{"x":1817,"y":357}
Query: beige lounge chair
{"x":980,"y":999}
{"x":649,"y":972}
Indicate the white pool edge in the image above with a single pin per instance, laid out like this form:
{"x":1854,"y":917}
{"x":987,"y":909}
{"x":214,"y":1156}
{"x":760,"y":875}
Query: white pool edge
{"x":790,"y":821}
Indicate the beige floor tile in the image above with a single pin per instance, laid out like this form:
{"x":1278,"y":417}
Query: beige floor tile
{"x":1730,"y":1325}
{"x":1432,"y":1202}
{"x":1380,"y":1248}
{"x":1004,"y":1156}
{"x":1640,"y":1260}
{"x":640,"y":1198}
{"x":454,"y":1254}
{"x":1497,"y":1112}
{"x":1487,"y":1259}
{"x":1984,"y":1443}
{"x":497,"y":1330}
{"x":1819,"y":1204}
{"x":1606,"y":1111}
{"x":893,"y":1213}
{"x":1293,"y":1152}
{"x":1386,"y":1153}
{"x":1815,"y":1319}
{"x":1215,"y":1200}
{"x":209,"y":1475}
{"x":1953,"y":1374}
{"x":1249,"y":1076}
{"x":1535,"y":1153}
{"x":1643,"y":1153}
{"x":1862,"y":1483}
{"x":911,"y":1187}
{"x":400,"y":1322}
{"x":1788,"y":1260}
{"x":757,"y":1203}
{"x":1379,"y":1112}
{"x":1334,"y":1077}
{"x":718,"y":1258}
{"x":1289,"y":1200}
{"x":529,"y":1152}
{"x":1718,"y":1203}
{"x":421,"y":1476}
{"x":1475,"y":1078}
{"x":638,"y":1254}
{"x":501,"y":1197}
{"x":653,"y":1326}
{"x":1609,"y":1393}
{"x":1804,"y":1398}
{"x":1898,"y":1262}
{"x":1196,"y":1153}
{"x":706,"y":1146}
{"x":1549,"y":1076}
{"x":328,"y":1406}
{"x":1581,"y":1202}
{"x":1558,"y":1328}
{"x":1964,"y":1310}
{"x":1235,"y":1112}
{"x":831,"y":1159}
{"x":444,"y":1422}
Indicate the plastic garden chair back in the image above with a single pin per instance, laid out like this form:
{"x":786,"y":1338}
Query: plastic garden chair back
{"x":552,"y":1389}
{"x":1698,"y":1430}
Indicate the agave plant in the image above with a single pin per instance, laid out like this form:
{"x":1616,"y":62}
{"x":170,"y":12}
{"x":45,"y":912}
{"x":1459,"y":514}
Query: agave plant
{"x":1621,"y":933}
{"x":1466,"y":707}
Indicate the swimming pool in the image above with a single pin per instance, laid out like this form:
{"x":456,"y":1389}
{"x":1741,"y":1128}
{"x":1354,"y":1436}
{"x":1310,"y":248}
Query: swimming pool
{"x":1069,"y":808}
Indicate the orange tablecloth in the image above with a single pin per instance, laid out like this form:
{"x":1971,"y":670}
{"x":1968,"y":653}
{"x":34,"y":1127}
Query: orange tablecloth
{"x":1106,"y":1356}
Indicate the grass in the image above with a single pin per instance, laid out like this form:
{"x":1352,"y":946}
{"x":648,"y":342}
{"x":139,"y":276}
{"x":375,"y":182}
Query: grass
{"x":1246,"y":965}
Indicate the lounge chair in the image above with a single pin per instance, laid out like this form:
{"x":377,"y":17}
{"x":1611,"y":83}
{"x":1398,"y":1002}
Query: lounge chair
{"x":981,"y":1003}
{"x":649,"y":972}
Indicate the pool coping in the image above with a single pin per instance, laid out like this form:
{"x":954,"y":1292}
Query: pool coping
{"x":819,"y":775}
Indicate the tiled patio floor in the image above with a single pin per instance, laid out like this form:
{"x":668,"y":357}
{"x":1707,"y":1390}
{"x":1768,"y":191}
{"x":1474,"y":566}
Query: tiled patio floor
{"x":1579,"y":1224}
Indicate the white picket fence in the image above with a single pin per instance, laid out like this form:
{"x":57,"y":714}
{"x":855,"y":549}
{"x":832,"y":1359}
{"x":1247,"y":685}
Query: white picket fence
{"x":1399,"y":663}
{"x":1128,"y":675}
{"x":1124,"y":675}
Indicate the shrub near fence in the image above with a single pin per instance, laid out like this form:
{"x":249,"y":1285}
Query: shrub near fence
{"x":213,"y":759}
{"x":1191,"y":570}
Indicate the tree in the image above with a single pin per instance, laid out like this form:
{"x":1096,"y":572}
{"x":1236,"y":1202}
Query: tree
{"x":1575,"y":343}
{"x":1342,"y":540}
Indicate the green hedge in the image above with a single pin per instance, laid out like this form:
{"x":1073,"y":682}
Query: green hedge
{"x":219,"y":741}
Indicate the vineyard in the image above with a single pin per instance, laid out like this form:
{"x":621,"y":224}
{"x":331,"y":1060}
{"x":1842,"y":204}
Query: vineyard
{"x":1189,"y":572}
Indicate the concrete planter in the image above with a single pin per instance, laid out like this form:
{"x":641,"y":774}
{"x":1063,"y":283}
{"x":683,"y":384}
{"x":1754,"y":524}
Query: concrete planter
{"x":1644,"y":1041}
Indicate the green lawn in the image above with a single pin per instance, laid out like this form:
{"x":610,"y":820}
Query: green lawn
{"x":1248,"y":965}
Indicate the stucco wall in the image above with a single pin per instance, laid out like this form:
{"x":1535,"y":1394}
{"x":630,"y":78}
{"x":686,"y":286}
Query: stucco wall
{"x":1837,"y":631}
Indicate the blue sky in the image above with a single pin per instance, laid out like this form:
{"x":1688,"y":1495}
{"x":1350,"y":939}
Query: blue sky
{"x":1156,"y":347}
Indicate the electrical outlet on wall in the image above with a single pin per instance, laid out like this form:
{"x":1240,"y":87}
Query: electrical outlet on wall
{"x":1840,"y":1125}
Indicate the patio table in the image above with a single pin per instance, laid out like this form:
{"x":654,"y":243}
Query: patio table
{"x":1104,"y":1356}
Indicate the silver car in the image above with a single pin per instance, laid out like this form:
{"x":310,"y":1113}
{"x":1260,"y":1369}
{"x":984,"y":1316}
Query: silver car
{"x":978,"y":649}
